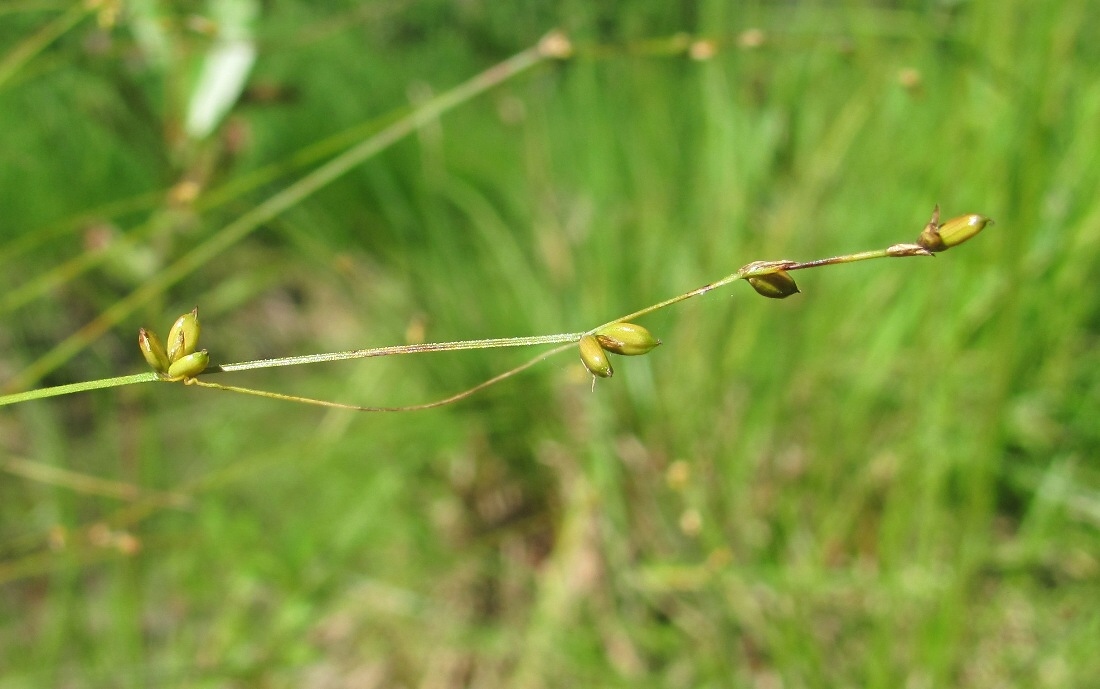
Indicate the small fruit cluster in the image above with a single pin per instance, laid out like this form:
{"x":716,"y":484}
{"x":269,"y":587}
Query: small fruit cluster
{"x":626,"y":339}
{"x":180,"y":360}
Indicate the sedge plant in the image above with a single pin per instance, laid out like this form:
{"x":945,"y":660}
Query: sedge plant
{"x":178,"y":358}
{"x":181,"y":360}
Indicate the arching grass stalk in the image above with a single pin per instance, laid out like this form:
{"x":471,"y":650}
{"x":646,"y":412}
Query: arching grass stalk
{"x":182,"y":361}
{"x":36,"y":43}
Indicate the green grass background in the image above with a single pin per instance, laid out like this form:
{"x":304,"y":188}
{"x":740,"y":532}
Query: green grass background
{"x":890,"y":480}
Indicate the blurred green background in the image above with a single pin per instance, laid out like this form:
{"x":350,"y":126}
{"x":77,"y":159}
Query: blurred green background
{"x":890,"y":480}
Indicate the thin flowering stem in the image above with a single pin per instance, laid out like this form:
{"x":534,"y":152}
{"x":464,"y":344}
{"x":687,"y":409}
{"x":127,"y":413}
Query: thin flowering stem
{"x":756,"y":269}
{"x":398,"y":349}
{"x":837,"y":260}
{"x":669,"y":302}
{"x":955,"y":231}
{"x":85,"y":386}
{"x":895,"y":251}
{"x":412,"y":407}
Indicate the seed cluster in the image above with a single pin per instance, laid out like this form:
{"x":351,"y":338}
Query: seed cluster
{"x":626,"y":339}
{"x":180,"y":360}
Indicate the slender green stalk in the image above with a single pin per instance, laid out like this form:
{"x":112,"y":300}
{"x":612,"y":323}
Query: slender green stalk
{"x":412,"y":407}
{"x":761,"y":268}
{"x":89,"y":485}
{"x":565,"y":340}
{"x":398,"y":349}
{"x":669,"y":302}
{"x":37,"y":42}
{"x":42,"y":393}
{"x":895,"y":251}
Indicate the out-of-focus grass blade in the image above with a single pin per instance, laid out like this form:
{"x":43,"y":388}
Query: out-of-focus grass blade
{"x":225,"y":67}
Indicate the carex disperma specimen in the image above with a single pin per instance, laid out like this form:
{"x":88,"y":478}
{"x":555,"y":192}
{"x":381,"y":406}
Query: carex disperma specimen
{"x":181,"y":361}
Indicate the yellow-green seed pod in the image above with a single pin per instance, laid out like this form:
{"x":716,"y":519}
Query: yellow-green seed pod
{"x":778,"y":285}
{"x":189,"y":366}
{"x":628,"y":339}
{"x":938,"y":237}
{"x":183,"y":338}
{"x":957,"y":230}
{"x":153,"y":350}
{"x":594,"y":358}
{"x":175,"y":347}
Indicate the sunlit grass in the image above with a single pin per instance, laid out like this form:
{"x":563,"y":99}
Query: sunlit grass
{"x":889,"y":480}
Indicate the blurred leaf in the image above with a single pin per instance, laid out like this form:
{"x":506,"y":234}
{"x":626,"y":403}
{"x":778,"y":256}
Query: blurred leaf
{"x":225,"y":67}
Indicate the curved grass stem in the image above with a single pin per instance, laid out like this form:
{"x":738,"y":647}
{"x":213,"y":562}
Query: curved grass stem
{"x":412,"y":407}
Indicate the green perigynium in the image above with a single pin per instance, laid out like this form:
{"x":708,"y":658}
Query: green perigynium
{"x":777,"y":285}
{"x":189,"y":366}
{"x":594,"y":357}
{"x":936,"y":237}
{"x":183,"y":337}
{"x":628,"y":339}
{"x":153,"y":350}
